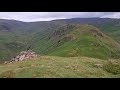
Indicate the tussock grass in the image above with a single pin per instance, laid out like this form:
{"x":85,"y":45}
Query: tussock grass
{"x":7,"y":74}
{"x":60,"y":67}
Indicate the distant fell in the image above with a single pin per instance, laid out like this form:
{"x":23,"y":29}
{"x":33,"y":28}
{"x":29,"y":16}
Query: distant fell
{"x":91,"y":37}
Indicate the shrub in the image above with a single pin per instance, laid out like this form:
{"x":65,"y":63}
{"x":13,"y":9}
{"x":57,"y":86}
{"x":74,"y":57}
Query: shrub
{"x":113,"y":68}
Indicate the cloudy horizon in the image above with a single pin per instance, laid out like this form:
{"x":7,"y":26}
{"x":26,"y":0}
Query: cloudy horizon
{"x":47,"y":16}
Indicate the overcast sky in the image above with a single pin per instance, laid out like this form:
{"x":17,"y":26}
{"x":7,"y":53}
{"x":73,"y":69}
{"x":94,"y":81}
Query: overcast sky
{"x":47,"y":16}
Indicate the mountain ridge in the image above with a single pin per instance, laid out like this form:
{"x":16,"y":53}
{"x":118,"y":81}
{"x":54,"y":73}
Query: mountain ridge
{"x":45,"y":37}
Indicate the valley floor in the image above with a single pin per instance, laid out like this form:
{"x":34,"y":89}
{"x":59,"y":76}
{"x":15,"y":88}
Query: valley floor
{"x":61,"y":67}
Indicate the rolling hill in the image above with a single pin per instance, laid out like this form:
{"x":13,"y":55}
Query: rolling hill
{"x":94,"y":37}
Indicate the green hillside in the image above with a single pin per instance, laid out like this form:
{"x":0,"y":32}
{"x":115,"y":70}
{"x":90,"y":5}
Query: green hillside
{"x":59,"y":38}
{"x":70,"y":48}
{"x":11,"y":44}
{"x":110,"y":26}
{"x":61,"y":67}
{"x":85,"y":40}
{"x":111,"y":30}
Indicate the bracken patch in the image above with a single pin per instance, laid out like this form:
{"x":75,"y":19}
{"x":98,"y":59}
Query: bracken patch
{"x":7,"y":74}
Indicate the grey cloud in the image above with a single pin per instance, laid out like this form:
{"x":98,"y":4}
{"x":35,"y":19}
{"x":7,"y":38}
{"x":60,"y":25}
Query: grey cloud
{"x":46,"y":16}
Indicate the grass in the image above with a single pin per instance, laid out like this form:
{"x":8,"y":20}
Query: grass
{"x":111,"y":30}
{"x":59,"y":67}
{"x":87,"y":45}
{"x":77,"y":40}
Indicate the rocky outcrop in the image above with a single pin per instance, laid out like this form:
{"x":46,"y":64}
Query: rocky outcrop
{"x":24,"y":55}
{"x":70,"y":37}
{"x":97,"y":33}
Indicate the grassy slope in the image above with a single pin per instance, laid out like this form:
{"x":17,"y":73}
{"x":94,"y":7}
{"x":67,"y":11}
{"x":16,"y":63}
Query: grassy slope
{"x":111,"y":30}
{"x":86,"y":44}
{"x":60,"y":67}
{"x":11,"y":44}
{"x":108,"y":25}
{"x":18,"y":39}
{"x":37,"y":35}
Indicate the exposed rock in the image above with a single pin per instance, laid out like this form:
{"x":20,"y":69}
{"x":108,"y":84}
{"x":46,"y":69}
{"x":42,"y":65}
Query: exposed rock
{"x":97,"y":33}
{"x":98,"y":65}
{"x":70,"y":37}
{"x":23,"y":56}
{"x":5,"y":62}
